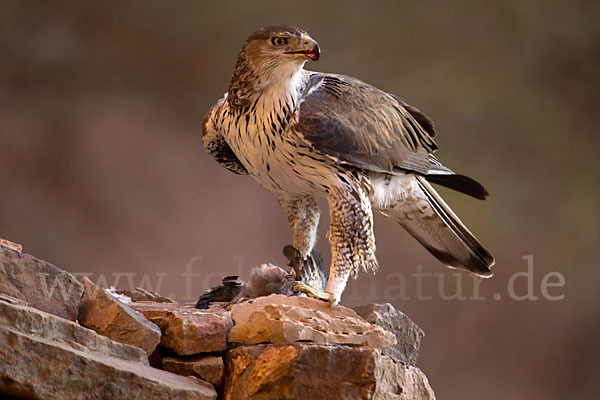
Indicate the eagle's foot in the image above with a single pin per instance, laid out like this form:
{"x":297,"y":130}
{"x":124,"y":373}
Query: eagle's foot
{"x":315,"y":293}
{"x":308,"y":269}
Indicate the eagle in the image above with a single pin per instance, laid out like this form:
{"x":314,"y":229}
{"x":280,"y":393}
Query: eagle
{"x":304,"y":135}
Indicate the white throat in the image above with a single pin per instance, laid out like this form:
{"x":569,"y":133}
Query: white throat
{"x":285,"y":82}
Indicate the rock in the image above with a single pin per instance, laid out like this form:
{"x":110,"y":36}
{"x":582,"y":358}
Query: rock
{"x":186,"y":330}
{"x":310,"y":351}
{"x":308,"y":371}
{"x":396,"y":381}
{"x":141,"y":294}
{"x":279,"y":319}
{"x":208,"y":368}
{"x":13,"y":300}
{"x":40,"y":284}
{"x":46,"y":357}
{"x":155,"y":359}
{"x":103,"y":313}
{"x":408,"y":334}
{"x":11,"y":245}
{"x":48,"y":327}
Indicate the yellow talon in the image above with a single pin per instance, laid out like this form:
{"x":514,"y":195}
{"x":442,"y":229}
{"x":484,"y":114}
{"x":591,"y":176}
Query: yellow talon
{"x":315,"y":293}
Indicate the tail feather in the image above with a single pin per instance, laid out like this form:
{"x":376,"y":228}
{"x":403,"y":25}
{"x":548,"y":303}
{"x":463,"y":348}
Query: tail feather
{"x":460,"y":183}
{"x":425,"y":215}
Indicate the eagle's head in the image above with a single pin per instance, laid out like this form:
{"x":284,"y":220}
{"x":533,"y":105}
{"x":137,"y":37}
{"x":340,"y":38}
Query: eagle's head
{"x":281,"y":44}
{"x":272,"y":54}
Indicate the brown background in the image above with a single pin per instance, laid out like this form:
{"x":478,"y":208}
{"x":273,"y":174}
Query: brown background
{"x":102,"y":168}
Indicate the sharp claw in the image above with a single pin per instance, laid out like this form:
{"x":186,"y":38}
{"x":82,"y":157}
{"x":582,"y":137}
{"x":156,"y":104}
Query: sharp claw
{"x":332,"y":300}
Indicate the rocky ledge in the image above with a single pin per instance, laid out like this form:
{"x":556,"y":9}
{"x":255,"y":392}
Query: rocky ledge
{"x":61,"y":338}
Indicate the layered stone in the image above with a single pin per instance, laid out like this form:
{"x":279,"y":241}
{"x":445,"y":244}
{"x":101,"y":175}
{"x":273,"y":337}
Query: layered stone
{"x":187,"y":330}
{"x":47,"y":357}
{"x":408,"y":334}
{"x":105,"y":314}
{"x":40,"y":284}
{"x":309,"y":371}
{"x":280,"y":319}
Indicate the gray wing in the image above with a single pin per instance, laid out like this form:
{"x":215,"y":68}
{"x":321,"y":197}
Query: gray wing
{"x":215,"y":144}
{"x":361,"y":125}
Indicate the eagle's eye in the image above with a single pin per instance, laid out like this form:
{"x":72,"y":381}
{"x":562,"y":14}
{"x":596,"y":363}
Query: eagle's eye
{"x":279,"y":41}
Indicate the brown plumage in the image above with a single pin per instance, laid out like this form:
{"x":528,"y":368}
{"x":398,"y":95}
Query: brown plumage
{"x":303,"y":134}
{"x":269,"y":279}
{"x":264,"y":280}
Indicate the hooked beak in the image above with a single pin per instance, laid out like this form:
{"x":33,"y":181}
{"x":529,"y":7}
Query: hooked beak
{"x":310,"y":49}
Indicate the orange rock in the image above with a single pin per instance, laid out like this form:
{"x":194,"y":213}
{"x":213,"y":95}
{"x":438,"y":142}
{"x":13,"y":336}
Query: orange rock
{"x":47,"y":357}
{"x":279,"y":319}
{"x":11,"y":245}
{"x":307,"y":371}
{"x":209,"y":368}
{"x":186,"y":330}
{"x":103,"y":313}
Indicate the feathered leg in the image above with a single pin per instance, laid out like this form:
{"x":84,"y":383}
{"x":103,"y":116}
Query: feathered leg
{"x":351,"y":237}
{"x":303,"y":214}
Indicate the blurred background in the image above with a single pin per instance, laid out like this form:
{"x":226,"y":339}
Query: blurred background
{"x":102,"y":170}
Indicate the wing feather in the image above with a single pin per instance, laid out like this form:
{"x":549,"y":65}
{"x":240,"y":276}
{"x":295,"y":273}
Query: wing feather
{"x":215,"y":144}
{"x":363,"y":126}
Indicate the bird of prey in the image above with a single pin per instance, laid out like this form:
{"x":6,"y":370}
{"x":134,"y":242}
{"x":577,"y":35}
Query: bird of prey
{"x":304,"y":134}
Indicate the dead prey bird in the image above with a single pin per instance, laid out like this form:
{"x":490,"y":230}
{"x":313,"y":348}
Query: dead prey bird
{"x":269,"y":279}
